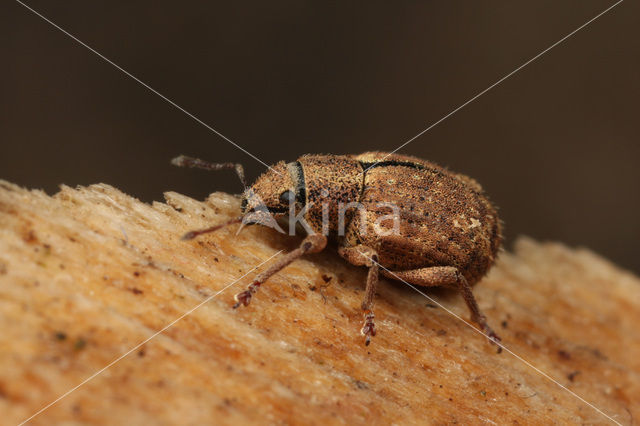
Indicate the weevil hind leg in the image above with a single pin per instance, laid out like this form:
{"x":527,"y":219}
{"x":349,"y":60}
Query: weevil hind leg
{"x":363,"y":255}
{"x":313,"y":243}
{"x":447,"y":276}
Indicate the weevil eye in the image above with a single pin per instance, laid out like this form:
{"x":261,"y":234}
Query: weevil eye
{"x":287,"y":197}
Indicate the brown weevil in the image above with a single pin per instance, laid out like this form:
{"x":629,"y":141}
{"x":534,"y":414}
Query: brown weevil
{"x":403,"y":217}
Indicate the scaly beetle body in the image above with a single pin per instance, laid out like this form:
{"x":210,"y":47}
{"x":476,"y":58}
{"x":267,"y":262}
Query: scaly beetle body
{"x":401,"y":216}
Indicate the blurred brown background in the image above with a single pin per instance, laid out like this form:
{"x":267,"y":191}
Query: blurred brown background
{"x":556,"y":145}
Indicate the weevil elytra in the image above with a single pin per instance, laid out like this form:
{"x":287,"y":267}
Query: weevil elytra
{"x":403,"y":217}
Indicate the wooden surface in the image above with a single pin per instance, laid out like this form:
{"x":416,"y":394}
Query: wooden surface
{"x":89,"y":273}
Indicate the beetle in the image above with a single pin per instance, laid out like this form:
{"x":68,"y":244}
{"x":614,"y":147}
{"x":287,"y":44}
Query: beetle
{"x":447,"y":231}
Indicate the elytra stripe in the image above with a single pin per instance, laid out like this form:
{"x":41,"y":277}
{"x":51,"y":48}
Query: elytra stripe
{"x":372,"y":165}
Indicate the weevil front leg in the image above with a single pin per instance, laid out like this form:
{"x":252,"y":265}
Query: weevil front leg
{"x":447,"y":276}
{"x":362,"y":255}
{"x":313,"y":243}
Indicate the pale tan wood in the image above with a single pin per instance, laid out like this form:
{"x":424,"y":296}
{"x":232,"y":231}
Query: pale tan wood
{"x":88,"y":273}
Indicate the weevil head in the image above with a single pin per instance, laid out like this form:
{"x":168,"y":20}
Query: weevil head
{"x":272,"y":194}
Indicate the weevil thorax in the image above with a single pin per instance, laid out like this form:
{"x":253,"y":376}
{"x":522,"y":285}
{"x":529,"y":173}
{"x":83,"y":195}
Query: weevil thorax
{"x":331,"y":183}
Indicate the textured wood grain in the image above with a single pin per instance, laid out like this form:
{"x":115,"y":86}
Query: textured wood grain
{"x":89,"y":273}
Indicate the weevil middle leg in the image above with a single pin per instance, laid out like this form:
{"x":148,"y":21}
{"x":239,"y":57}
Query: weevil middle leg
{"x":313,"y":243}
{"x":362,"y":255}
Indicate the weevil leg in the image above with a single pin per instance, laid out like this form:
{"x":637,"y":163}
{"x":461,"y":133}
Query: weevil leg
{"x":369,"y":328}
{"x":362,"y":255}
{"x":313,"y":243}
{"x":447,"y":276}
{"x":184,"y":161}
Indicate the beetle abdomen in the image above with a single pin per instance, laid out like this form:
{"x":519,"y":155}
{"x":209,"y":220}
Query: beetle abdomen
{"x":445,"y":218}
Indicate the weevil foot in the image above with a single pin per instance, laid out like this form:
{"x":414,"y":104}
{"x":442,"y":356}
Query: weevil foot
{"x":369,"y":328}
{"x":493,"y":337}
{"x":244,"y":297}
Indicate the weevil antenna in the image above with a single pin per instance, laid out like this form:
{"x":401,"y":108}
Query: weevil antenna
{"x":184,"y":161}
{"x":192,"y":234}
